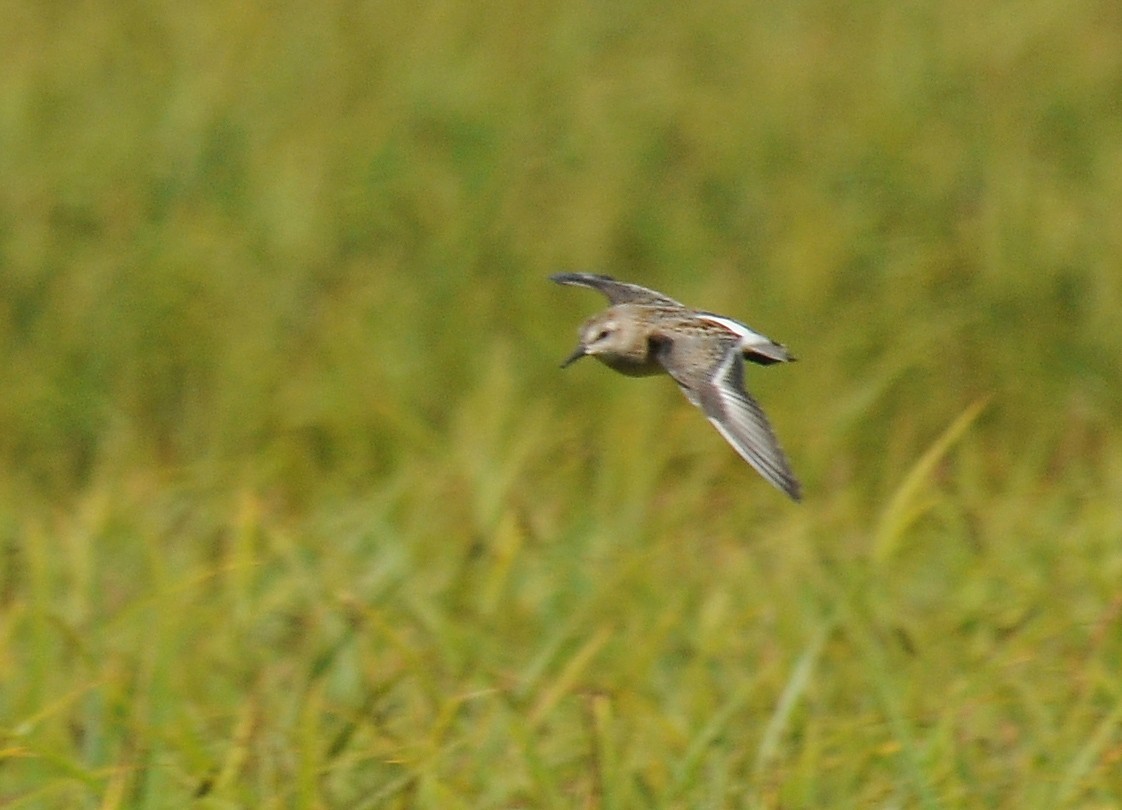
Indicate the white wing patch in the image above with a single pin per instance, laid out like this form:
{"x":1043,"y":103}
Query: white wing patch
{"x":754,"y":346}
{"x":748,"y":336}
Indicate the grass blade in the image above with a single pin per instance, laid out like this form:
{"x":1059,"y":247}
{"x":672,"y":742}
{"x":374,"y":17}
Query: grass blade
{"x":796,"y":686}
{"x":906,"y":506}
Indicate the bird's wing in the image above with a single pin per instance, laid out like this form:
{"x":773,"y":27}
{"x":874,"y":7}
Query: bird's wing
{"x":719,"y":392}
{"x":618,"y":292}
{"x":755,"y":347}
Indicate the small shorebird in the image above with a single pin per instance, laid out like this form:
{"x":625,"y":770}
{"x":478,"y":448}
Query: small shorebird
{"x":645,"y":332}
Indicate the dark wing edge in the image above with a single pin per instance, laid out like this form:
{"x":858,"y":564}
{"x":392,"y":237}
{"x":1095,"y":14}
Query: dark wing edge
{"x":617,"y":292}
{"x":743,"y":424}
{"x":756,"y":347}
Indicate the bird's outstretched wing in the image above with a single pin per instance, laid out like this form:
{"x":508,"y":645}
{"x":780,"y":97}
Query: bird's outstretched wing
{"x":618,"y":292}
{"x":719,"y":392}
{"x":755,"y":347}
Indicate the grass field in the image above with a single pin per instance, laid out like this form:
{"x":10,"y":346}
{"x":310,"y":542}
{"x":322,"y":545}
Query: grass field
{"x":297,"y":509}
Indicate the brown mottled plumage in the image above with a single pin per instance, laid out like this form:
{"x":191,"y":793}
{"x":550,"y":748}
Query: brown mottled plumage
{"x":645,"y":332}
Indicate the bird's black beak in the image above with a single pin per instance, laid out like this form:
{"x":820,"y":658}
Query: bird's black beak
{"x":577,"y":354}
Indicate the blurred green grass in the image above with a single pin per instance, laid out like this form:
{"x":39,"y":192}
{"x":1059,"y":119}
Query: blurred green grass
{"x":298,"y":510}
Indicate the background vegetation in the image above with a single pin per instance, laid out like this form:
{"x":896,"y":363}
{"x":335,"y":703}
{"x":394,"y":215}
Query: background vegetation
{"x":296,"y":509}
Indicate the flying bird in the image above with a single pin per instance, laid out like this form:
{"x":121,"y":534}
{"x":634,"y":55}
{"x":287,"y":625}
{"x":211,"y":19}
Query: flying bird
{"x":644,"y":332}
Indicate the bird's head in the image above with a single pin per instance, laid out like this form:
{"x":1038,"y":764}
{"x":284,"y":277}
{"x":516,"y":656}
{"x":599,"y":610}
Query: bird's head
{"x":605,"y":334}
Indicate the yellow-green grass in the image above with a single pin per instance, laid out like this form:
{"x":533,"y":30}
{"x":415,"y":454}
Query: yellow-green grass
{"x":297,"y":509}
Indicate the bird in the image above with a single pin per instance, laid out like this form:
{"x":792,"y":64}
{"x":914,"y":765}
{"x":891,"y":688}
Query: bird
{"x":645,"y":332}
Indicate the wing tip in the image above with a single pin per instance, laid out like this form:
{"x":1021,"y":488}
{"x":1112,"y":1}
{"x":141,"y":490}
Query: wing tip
{"x":768,"y":460}
{"x":793,"y":489}
{"x":582,"y":279}
{"x":765,"y":354}
{"x":781,"y":477}
{"x":762,"y":451}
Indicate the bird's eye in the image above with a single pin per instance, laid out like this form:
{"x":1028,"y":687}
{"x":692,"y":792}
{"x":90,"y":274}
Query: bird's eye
{"x":603,"y":333}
